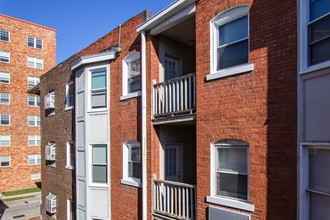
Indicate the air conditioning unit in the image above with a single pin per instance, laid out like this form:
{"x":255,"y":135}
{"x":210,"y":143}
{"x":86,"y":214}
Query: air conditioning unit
{"x":50,"y":101}
{"x":50,"y":203}
{"x":50,"y":151}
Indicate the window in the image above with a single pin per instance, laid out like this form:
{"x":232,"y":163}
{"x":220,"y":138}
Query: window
{"x":4,"y":57}
{"x":34,"y":100}
{"x":314,"y":182}
{"x":4,"y":161}
{"x":33,"y":120}
{"x":230,"y":174}
{"x":4,"y":140}
{"x":4,"y":98}
{"x":35,"y":62}
{"x":230,"y":42}
{"x":98,"y":88}
{"x":69,"y":210}
{"x":69,"y":95}
{"x":132,"y":163}
{"x":99,"y":163}
{"x":34,"y":42}
{"x":171,"y":67}
{"x":132,"y":74}
{"x":4,"y":119}
{"x":70,"y":159}
{"x":35,"y":176}
{"x":4,"y":35}
{"x":34,"y":159}
{"x":4,"y":78}
{"x":33,"y":81}
{"x":34,"y":140}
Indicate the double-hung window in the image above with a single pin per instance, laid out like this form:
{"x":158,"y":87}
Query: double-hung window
{"x":4,"y":78}
{"x":33,"y":120}
{"x":4,"y":161}
{"x":98,"y":88}
{"x":69,"y":95}
{"x":4,"y":119}
{"x":99,"y":163}
{"x":34,"y":159}
{"x":33,"y":81}
{"x":34,"y":42}
{"x":4,"y":140}
{"x":34,"y":140}
{"x":35,"y":176}
{"x":132,"y":163}
{"x":4,"y":35}
{"x":132,"y":75}
{"x":35,"y":62}
{"x":34,"y":100}
{"x":4,"y":56}
{"x":230,"y":42}
{"x":70,"y":159}
{"x":4,"y":98}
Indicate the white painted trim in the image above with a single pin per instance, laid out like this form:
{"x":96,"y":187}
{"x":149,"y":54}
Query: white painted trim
{"x":231,"y":203}
{"x":130,"y":95}
{"x":130,"y":57}
{"x":245,"y":68}
{"x":130,"y":183}
{"x":93,"y":59}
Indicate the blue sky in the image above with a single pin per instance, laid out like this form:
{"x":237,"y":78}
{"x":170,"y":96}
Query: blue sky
{"x":78,"y":22}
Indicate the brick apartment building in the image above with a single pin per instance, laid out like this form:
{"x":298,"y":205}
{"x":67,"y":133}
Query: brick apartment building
{"x":27,"y":50}
{"x":195,"y":117}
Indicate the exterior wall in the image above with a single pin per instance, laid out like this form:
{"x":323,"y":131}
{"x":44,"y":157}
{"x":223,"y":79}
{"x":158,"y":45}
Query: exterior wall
{"x":125,"y":125}
{"x":18,"y":108}
{"x":258,"y":107}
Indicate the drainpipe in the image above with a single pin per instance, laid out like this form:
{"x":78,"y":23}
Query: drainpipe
{"x":144,"y":124}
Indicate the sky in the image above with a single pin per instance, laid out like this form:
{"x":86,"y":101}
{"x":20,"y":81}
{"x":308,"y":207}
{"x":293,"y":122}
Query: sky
{"x":78,"y":23}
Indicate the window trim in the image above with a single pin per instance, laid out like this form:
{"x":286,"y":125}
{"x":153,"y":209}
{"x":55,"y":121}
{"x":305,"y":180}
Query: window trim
{"x":8,"y":98}
{"x":222,"y":18}
{"x":36,"y":80}
{"x":35,"y":101}
{"x":35,"y":139}
{"x":223,"y":200}
{"x":35,"y":121}
{"x":7,"y":139}
{"x":4,"y":74}
{"x":90,"y":164}
{"x":8,"y":119}
{"x":35,"y":159}
{"x":34,"y":60}
{"x":8,"y":161}
{"x":34,"y":43}
{"x":69,"y":166}
{"x":39,"y":176}
{"x":8,"y":35}
{"x":67,"y":96}
{"x":4,"y":54}
{"x":125,"y":94}
{"x":131,"y":181}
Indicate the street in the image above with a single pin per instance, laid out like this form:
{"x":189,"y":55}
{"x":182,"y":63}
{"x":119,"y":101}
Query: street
{"x":20,"y":209}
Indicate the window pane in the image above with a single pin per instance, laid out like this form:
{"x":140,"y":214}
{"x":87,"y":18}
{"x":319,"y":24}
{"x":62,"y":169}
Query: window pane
{"x":30,"y":41}
{"x":99,"y":80}
{"x":233,"y":55}
{"x":100,"y":154}
{"x":4,"y":77}
{"x":100,"y":173}
{"x":135,"y":154}
{"x":320,"y":29}
{"x":4,"y":119}
{"x":39,"y":44}
{"x":233,"y":31}
{"x":134,"y":84}
{"x":319,"y":8}
{"x":320,"y":52}
{"x":318,"y":159}
{"x":232,"y":159}
{"x":319,"y":207}
{"x":232,"y":185}
{"x":134,"y":169}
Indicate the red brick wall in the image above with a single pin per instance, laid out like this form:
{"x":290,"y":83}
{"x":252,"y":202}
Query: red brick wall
{"x":257,"y":107}
{"x":18,"y":175}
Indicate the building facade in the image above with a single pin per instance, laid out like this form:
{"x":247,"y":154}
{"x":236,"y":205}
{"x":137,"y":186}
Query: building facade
{"x":27,"y":50}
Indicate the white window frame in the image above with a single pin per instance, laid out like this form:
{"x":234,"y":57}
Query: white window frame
{"x":303,"y":207}
{"x":5,"y":137}
{"x":89,"y":86}
{"x":1,"y":98}
{"x":8,"y":119}
{"x":126,"y":95}
{"x":35,"y":176}
{"x":35,"y":61}
{"x":91,"y":182}
{"x":9,"y":160}
{"x":132,"y":181}
{"x":34,"y":79}
{"x":222,"y":200}
{"x":35,"y":139}
{"x":5,"y":75}
{"x":36,"y":100}
{"x":6,"y":33}
{"x":68,"y":96}
{"x":69,"y":209}
{"x":34,"y":42}
{"x":36,"y":120}
{"x":35,"y":158}
{"x":70,"y":150}
{"x":303,"y":42}
{"x":4,"y":54}
{"x":221,"y":19}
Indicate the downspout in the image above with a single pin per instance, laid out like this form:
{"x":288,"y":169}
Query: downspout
{"x":144,"y":124}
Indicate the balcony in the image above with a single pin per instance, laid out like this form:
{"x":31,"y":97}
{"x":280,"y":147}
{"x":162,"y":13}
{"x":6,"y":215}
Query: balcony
{"x":173,"y":200}
{"x":175,"y":98}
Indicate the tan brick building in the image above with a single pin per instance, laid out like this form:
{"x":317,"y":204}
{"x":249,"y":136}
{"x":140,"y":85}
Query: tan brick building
{"x":27,"y":50}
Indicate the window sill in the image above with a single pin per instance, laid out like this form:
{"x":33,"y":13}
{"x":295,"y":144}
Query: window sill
{"x":231,"y":203}
{"x":130,"y":96}
{"x":230,"y":72}
{"x":130,"y":183}
{"x":69,"y":167}
{"x":69,"y":108}
{"x":315,"y":68}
